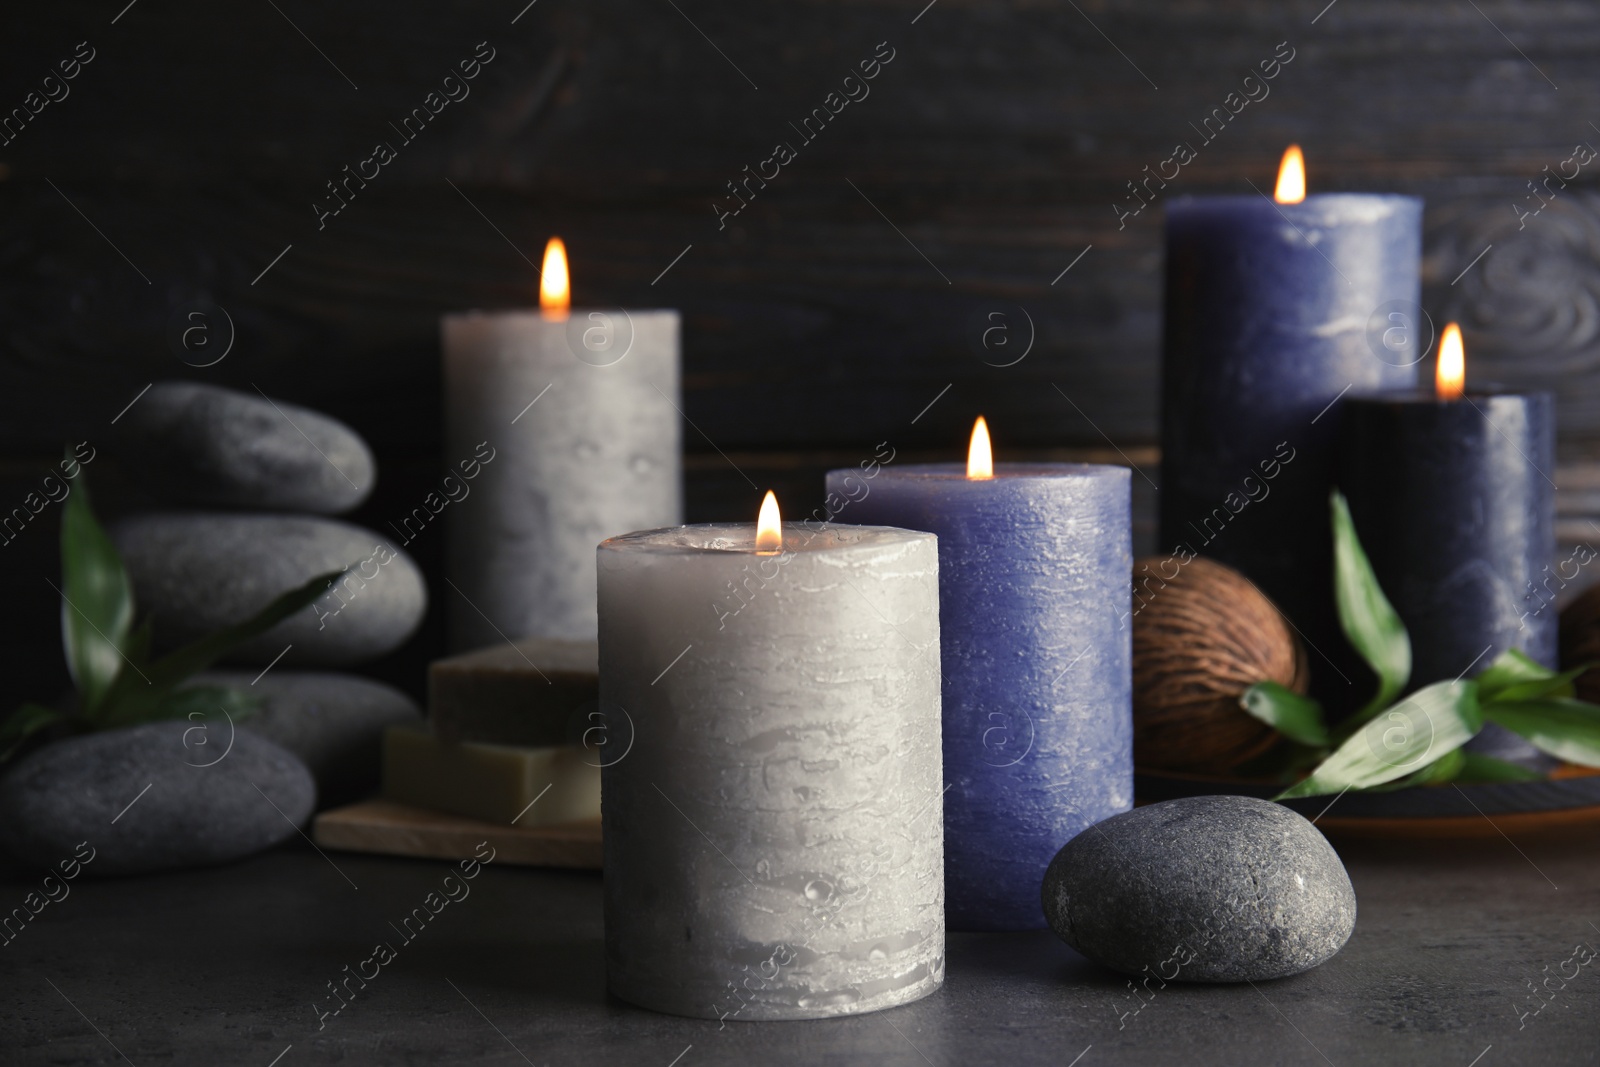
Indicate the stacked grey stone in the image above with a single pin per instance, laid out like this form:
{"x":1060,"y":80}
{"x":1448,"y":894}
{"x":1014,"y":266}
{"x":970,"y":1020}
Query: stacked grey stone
{"x":150,"y":798}
{"x":256,"y":480}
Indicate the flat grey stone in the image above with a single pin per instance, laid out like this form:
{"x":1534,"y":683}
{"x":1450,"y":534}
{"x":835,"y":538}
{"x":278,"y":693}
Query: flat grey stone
{"x":205,"y":445}
{"x":154,"y":797}
{"x":197,"y":572}
{"x":1203,"y":889}
{"x":333,"y":722}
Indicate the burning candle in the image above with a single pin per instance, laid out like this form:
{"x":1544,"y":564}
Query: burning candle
{"x":1451,"y":495}
{"x":1275,"y":310}
{"x":772,"y":825}
{"x":1034,"y":564}
{"x":579,"y":410}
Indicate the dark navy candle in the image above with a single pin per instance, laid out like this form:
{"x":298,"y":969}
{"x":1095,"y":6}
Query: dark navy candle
{"x":1034,"y":592}
{"x":1273,"y":312}
{"x":1454,"y":506}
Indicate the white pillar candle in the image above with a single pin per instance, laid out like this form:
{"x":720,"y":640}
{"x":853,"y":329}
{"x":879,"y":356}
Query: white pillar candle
{"x":772,"y":807}
{"x":580,"y":412}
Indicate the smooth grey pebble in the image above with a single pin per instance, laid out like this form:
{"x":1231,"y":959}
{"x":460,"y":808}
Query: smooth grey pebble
{"x":333,"y":722}
{"x":205,"y":445}
{"x":197,"y":572}
{"x":145,"y":799}
{"x":1202,"y":889}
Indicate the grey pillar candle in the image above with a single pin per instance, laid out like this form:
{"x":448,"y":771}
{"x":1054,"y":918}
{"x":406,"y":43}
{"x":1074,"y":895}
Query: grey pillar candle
{"x":772,"y":788}
{"x":596,"y":454}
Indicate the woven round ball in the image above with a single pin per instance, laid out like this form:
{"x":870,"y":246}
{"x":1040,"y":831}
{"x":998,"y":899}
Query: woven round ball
{"x":1200,"y":639}
{"x":1580,"y":641}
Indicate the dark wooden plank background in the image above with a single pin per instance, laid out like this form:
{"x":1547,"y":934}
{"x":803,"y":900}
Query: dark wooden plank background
{"x":997,"y":141}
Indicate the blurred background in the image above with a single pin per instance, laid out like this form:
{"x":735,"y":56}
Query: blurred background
{"x":852,"y":300}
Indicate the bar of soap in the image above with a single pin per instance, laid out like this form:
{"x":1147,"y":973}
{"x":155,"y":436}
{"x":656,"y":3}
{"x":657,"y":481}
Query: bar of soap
{"x":529,"y":692}
{"x":496,"y":783}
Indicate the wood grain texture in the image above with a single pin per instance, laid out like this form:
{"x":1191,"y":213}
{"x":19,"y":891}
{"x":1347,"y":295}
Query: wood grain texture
{"x":829,"y":313}
{"x":392,"y":829}
{"x":1466,"y":827}
{"x":996,"y":141}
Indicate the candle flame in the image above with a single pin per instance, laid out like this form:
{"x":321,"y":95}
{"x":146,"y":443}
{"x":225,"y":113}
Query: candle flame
{"x":980,"y":455}
{"x":1291,"y":177}
{"x":555,"y":291}
{"x":1451,"y":375}
{"x":769,"y":526}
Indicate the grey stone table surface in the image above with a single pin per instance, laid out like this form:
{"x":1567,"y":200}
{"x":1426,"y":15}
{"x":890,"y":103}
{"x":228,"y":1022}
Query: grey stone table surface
{"x":230,"y":966}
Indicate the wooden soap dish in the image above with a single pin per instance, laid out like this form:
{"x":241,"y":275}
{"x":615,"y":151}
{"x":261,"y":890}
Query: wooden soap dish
{"x":392,"y":829}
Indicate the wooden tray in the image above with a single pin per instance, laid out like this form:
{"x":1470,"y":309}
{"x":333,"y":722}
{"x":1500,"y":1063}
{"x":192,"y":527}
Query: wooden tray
{"x":1570,"y":797}
{"x":1455,"y":827}
{"x":391,"y":829}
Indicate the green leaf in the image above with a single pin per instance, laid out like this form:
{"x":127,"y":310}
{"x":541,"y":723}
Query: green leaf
{"x":210,"y":701}
{"x":1508,"y":668}
{"x":1514,"y":677}
{"x":137,"y":695}
{"x":1444,"y":769}
{"x":96,"y":602}
{"x":1403,"y":740}
{"x":1366,"y":616}
{"x":22,"y":724}
{"x":1569,"y":729}
{"x":1557,"y":686}
{"x":205,"y":700}
{"x":137,"y":647}
{"x":1299,"y":718}
{"x":1486,"y":770}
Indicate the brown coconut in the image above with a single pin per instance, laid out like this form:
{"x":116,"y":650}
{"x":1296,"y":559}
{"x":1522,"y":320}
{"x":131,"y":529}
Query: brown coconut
{"x":1580,"y":641}
{"x":1200,"y":639}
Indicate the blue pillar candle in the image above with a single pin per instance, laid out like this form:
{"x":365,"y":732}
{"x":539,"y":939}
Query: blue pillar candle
{"x":1452,"y":499}
{"x":1274,"y":311}
{"x":1034,"y":591}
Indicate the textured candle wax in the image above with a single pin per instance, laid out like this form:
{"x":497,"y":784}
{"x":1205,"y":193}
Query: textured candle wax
{"x":1034,"y":594}
{"x":597,"y":454}
{"x":1453,"y":504}
{"x":772,"y":835}
{"x":1273,"y":312}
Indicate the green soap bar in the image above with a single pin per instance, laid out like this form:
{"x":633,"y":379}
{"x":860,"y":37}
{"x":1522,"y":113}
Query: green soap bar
{"x":495,"y":783}
{"x":530,"y":692}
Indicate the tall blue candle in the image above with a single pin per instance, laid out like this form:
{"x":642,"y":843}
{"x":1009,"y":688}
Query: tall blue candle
{"x":1451,"y":495}
{"x":1034,"y":591}
{"x":1274,"y":312}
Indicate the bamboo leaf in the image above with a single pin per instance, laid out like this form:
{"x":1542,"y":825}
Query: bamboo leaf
{"x":1299,"y":718}
{"x":1508,"y":668}
{"x":211,"y":700}
{"x":1486,"y":770}
{"x":137,"y":696}
{"x":1405,"y":739}
{"x":206,"y":700}
{"x":1569,"y":729}
{"x":22,"y":724}
{"x":1367,"y":618}
{"x":137,"y":647}
{"x":96,"y":603}
{"x":1514,"y":677}
{"x":1444,"y":769}
{"x":1557,"y":687}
